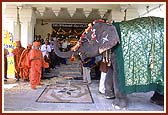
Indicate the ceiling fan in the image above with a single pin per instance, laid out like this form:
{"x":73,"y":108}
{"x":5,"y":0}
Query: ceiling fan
{"x":43,"y":23}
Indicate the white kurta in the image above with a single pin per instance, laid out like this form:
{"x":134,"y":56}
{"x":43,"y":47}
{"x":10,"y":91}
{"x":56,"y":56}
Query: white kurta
{"x":45,"y":48}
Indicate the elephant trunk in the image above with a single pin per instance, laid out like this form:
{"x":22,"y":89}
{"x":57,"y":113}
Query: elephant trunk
{"x":61,"y":54}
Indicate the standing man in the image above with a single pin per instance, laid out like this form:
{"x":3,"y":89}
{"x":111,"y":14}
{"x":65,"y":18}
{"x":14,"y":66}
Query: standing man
{"x":103,"y":69}
{"x":46,"y":49}
{"x":65,"y":45}
{"x":17,"y":53}
{"x":36,"y":62}
{"x":52,"y":56}
{"x":24,"y":70}
{"x":48,"y":37}
{"x":87,"y":64}
{"x":64,"y":49}
{"x":5,"y":63}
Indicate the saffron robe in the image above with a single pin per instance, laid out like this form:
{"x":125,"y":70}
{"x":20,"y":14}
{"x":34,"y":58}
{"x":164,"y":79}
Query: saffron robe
{"x":17,"y":53}
{"x":36,"y":63}
{"x":23,"y":66}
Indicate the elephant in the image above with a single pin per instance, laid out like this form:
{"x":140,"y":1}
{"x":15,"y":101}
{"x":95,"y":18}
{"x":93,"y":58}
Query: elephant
{"x":90,"y":47}
{"x":135,"y":51}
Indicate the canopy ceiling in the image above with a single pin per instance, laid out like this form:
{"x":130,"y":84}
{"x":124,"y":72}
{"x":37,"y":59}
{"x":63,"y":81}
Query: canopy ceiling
{"x":87,"y":11}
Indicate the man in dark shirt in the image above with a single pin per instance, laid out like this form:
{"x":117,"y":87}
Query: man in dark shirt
{"x":87,"y":64}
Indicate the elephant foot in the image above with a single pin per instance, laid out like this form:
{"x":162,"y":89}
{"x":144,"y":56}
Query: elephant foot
{"x":119,"y":104}
{"x":157,"y":99}
{"x":109,"y":94}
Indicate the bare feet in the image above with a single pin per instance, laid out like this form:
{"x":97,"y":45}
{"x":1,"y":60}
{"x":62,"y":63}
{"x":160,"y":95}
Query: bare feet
{"x":40,"y":83}
{"x":33,"y":88}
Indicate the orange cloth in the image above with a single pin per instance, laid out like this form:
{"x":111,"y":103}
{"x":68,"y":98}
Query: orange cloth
{"x":29,"y":45}
{"x":18,"y":43}
{"x":23,"y":66}
{"x":72,"y":58}
{"x":36,"y":62}
{"x":17,"y":53}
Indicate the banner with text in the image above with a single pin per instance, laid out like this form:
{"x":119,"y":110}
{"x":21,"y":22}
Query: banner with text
{"x":9,"y":45}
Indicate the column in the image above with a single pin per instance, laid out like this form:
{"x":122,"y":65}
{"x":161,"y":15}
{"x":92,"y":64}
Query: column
{"x":28,"y":21}
{"x":11,"y":25}
{"x":11,"y":22}
{"x":27,"y":33}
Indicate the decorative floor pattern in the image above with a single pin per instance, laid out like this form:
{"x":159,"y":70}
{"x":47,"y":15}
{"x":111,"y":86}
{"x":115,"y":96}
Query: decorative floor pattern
{"x":66,"y":93}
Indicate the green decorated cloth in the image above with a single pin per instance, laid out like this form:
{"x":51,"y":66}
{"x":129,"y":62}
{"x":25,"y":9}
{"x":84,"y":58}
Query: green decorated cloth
{"x":142,"y":42}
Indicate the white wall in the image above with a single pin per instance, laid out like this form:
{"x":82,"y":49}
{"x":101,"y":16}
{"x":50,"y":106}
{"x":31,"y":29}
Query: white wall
{"x":43,"y":29}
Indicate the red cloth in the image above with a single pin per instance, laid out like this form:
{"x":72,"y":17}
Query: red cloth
{"x":95,"y":21}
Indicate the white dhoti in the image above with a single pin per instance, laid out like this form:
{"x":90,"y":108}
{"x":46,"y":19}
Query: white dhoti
{"x":102,"y":82}
{"x":86,"y":75}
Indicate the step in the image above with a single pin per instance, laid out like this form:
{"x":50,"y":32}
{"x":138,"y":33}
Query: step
{"x":70,"y":75}
{"x":75,"y":62}
{"x":69,"y":72}
{"x":70,"y":69}
{"x":74,"y":67}
{"x":70,"y":66}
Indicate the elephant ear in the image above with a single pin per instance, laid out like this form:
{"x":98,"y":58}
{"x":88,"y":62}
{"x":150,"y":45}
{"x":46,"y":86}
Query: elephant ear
{"x":106,"y":35}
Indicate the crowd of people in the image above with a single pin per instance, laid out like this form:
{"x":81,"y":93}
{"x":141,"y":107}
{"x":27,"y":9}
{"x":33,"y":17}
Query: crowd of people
{"x":38,"y":58}
{"x":42,"y":52}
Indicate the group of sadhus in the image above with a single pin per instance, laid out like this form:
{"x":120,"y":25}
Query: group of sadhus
{"x":29,"y":63}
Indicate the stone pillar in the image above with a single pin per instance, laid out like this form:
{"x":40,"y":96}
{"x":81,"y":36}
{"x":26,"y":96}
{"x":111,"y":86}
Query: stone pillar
{"x":11,"y":25}
{"x":11,"y":22}
{"x":18,"y":25}
{"x":28,"y":20}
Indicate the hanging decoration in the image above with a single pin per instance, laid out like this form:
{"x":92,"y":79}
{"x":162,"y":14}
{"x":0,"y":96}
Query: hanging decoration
{"x":68,"y":30}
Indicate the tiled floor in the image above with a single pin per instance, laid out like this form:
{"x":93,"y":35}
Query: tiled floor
{"x":19,"y":97}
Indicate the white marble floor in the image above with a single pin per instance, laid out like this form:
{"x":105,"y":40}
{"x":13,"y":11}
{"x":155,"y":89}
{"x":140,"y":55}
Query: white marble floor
{"x":19,"y":97}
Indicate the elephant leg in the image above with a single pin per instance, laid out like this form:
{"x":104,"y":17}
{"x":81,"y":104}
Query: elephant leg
{"x":120,"y":100}
{"x":109,"y":92}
